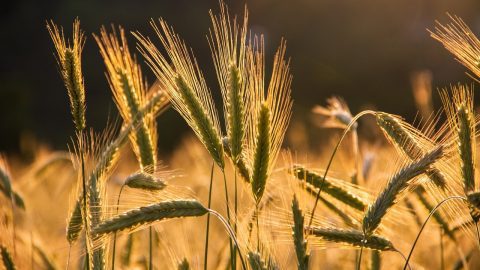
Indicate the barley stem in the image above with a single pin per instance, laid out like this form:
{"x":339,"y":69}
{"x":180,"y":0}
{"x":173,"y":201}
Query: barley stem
{"x":426,"y":221}
{"x":354,"y":119}
{"x":115,"y":234}
{"x":359,"y":262}
{"x":205,"y":257}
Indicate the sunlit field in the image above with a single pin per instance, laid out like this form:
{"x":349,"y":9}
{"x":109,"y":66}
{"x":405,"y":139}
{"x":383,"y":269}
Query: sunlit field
{"x":245,"y":188}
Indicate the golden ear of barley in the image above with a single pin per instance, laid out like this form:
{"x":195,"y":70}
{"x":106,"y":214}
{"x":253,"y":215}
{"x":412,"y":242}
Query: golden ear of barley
{"x":459,"y":109}
{"x":255,"y":261}
{"x":6,"y":185}
{"x":185,"y":85}
{"x":261,"y":154}
{"x":399,"y":134}
{"x":227,"y":42}
{"x":145,"y":181}
{"x":202,"y":121}
{"x":149,"y":214}
{"x":7,"y":258}
{"x":184,"y":265}
{"x":298,"y":236}
{"x":130,"y":92}
{"x":460,"y":41}
{"x":69,"y":61}
{"x":352,"y":237}
{"x":241,"y":164}
{"x":75,"y":224}
{"x":398,"y":183}
{"x":329,"y":187}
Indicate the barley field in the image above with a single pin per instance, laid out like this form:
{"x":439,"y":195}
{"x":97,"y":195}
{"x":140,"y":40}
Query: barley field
{"x":377,"y":192}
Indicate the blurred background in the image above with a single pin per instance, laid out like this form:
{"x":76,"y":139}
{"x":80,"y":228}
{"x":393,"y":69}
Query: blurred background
{"x":365,"y":51}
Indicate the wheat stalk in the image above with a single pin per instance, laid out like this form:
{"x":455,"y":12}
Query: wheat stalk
{"x":399,"y":182}
{"x":69,"y":61}
{"x":352,"y":237}
{"x":149,"y":214}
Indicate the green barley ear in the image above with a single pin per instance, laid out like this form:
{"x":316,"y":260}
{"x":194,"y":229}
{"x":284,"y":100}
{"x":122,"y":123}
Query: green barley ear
{"x":459,"y":39}
{"x":74,"y":224}
{"x":376,"y":260}
{"x":69,"y":61}
{"x":130,"y":93}
{"x":127,"y":251}
{"x":184,"y":265}
{"x":298,"y":236}
{"x":398,"y":183}
{"x":228,"y":45}
{"x":401,"y":136}
{"x":7,"y":258}
{"x":261,"y":154}
{"x":352,"y":237}
{"x":185,"y":85}
{"x":145,"y":181}
{"x":147,"y":215}
{"x":329,"y":187}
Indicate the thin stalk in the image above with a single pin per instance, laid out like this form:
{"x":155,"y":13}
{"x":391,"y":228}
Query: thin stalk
{"x":227,"y":202}
{"x":478,"y":234}
{"x":425,"y":223}
{"x":236,"y":215}
{"x":205,"y":256}
{"x":258,"y":228}
{"x":232,"y":235}
{"x":68,"y":258}
{"x":150,"y":248}
{"x":85,"y":221}
{"x":354,"y":119}
{"x":442,"y":262}
{"x":359,"y":262}
{"x":115,"y":234}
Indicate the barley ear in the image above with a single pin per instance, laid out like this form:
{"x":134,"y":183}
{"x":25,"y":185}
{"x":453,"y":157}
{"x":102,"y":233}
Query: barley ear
{"x":75,"y":223}
{"x":352,"y":237}
{"x":401,"y":136}
{"x":262,"y":153}
{"x":376,"y":260}
{"x":298,"y":236}
{"x":7,"y":258}
{"x":147,"y":215}
{"x":69,"y":61}
{"x":145,"y":181}
{"x":329,"y":187}
{"x":398,"y":183}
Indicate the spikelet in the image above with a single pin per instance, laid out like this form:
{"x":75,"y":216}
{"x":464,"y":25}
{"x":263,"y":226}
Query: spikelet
{"x":457,"y":38}
{"x":241,"y":165}
{"x":403,"y":137}
{"x":228,"y":45}
{"x":329,"y":187}
{"x":185,"y":85}
{"x":298,"y":236}
{"x":352,"y":237}
{"x":74,"y":224}
{"x":7,"y":259}
{"x":399,"y":182}
{"x":147,"y":215}
{"x":270,"y":115}
{"x":256,"y":262}
{"x":69,"y":61}
{"x":130,"y":92}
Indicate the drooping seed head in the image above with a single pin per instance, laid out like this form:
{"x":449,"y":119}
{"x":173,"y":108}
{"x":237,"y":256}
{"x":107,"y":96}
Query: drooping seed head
{"x":145,"y":181}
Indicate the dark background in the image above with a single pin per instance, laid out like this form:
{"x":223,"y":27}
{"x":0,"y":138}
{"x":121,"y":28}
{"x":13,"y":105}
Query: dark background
{"x":363,"y":50}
